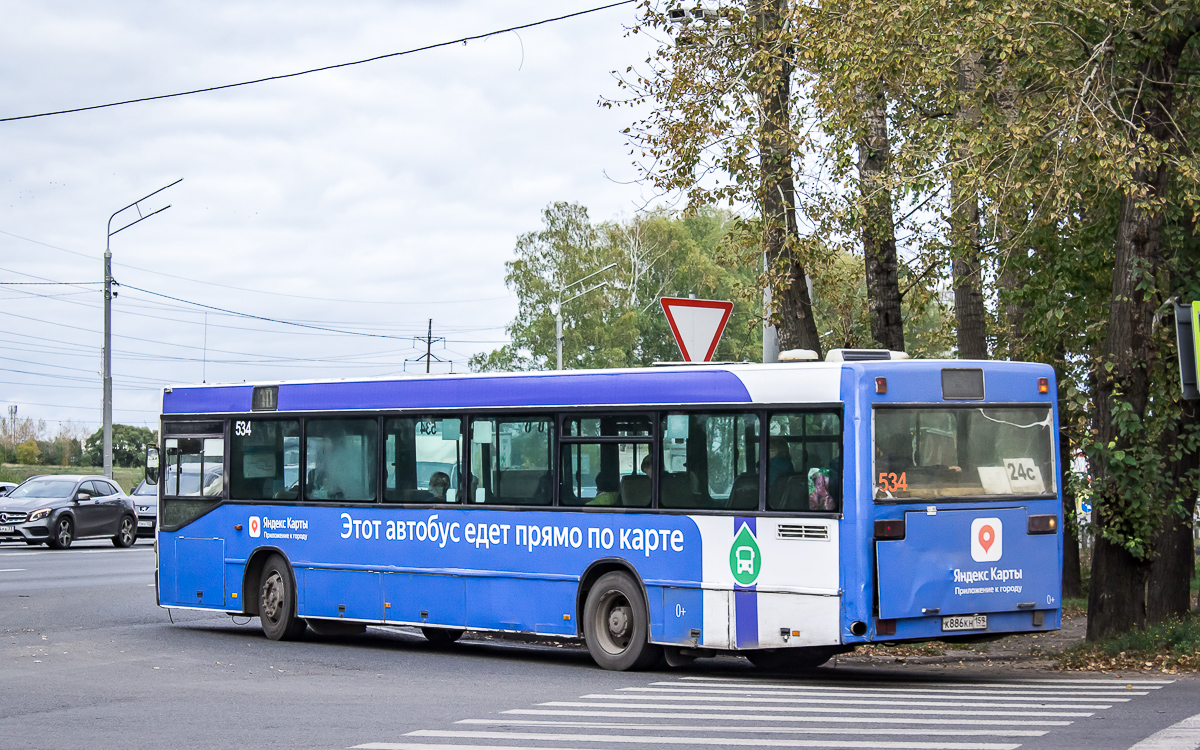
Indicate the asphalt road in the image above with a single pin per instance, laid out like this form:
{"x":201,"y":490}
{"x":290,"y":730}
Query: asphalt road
{"x":88,"y":661}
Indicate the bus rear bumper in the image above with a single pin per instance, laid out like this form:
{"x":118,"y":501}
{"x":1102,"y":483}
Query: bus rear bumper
{"x":934,"y":627}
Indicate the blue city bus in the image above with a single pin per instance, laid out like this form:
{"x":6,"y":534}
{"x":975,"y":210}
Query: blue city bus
{"x":786,"y":512}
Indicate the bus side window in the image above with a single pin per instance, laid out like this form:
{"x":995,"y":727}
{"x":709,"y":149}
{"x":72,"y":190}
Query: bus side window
{"x":340,"y":459}
{"x":804,"y":462}
{"x":422,"y":460}
{"x":510,"y":461}
{"x":709,"y":461}
{"x":265,"y":460}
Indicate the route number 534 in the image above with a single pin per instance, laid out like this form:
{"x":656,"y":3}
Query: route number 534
{"x":890,"y":482}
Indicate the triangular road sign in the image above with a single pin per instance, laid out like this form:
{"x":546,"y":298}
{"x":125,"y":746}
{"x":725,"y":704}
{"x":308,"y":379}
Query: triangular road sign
{"x":697,"y":325}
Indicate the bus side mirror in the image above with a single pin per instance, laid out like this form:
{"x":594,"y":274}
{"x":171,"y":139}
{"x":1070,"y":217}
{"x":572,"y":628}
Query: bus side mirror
{"x":151,"y":464}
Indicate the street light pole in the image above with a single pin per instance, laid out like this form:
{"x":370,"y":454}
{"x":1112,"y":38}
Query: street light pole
{"x":559,"y":302}
{"x":108,"y":295}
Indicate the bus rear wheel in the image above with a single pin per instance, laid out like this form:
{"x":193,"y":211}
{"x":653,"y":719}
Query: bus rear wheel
{"x":277,"y":602}
{"x":616,"y":625}
{"x":791,"y":659}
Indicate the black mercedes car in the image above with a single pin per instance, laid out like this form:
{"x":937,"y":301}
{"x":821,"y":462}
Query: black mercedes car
{"x":57,"y":510}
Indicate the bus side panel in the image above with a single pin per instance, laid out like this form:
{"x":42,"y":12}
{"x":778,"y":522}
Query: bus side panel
{"x":437,"y":600}
{"x":717,"y":618}
{"x":858,"y":508}
{"x":168,"y":570}
{"x":682,"y":612}
{"x":521,"y":605}
{"x":797,"y":620}
{"x":201,"y":575}
{"x":352,"y":594}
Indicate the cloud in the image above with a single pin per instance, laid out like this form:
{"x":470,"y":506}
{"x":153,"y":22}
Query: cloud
{"x":405,"y":180}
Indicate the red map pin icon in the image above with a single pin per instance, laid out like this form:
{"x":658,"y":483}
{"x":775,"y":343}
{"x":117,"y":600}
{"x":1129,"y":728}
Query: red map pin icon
{"x":987,"y":537}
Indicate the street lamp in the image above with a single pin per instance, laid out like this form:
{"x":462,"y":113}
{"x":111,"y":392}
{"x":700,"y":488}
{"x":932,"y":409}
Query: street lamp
{"x":108,"y":295}
{"x":559,"y":302}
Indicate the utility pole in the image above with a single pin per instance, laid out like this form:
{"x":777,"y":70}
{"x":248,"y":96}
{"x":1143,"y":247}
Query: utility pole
{"x":429,"y":340}
{"x":108,"y":297}
{"x":559,"y":302}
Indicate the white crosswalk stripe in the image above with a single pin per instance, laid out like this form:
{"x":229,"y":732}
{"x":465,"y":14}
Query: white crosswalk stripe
{"x":744,"y":712}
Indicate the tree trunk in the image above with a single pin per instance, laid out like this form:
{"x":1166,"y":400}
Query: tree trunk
{"x":1117,"y":594}
{"x":966,"y":266}
{"x":879,"y":226}
{"x":1169,"y":593}
{"x":797,"y":326}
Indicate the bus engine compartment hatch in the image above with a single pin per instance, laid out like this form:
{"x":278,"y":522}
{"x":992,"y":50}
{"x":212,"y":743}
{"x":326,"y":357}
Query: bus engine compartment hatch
{"x":962,"y":562}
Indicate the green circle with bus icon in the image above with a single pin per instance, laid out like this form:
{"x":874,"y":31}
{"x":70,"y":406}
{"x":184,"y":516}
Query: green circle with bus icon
{"x":745,"y":558}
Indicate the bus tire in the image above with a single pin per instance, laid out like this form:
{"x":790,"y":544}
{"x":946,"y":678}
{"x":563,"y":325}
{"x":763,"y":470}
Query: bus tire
{"x":335,"y":628}
{"x":277,"y":602}
{"x":441,"y":636}
{"x":791,"y":659}
{"x":616,"y":625}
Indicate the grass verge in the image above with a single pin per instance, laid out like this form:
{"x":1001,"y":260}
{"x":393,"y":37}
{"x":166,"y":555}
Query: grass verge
{"x":127,"y":478}
{"x":1167,"y":646}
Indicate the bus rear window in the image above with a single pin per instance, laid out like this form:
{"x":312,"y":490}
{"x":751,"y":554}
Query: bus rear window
{"x":963,"y":452}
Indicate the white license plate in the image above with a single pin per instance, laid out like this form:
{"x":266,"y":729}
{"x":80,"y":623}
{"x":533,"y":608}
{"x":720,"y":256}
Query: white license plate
{"x":6,"y":529}
{"x":965,"y":622}
{"x":145,"y":524}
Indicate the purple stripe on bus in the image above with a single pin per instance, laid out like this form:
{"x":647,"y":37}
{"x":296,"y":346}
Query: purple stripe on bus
{"x":745,"y":598}
{"x":448,"y":392}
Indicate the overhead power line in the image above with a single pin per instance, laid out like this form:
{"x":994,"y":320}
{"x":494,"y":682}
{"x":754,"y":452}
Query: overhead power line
{"x":308,"y":297}
{"x":461,"y":40}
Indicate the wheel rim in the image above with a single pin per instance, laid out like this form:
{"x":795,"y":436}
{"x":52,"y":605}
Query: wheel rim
{"x":272,"y":597}
{"x":127,"y":532}
{"x":614,"y":622}
{"x":64,"y":532}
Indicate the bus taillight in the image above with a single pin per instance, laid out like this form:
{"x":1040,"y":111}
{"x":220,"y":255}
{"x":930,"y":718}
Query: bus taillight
{"x":1043,"y":385}
{"x":890,"y":529}
{"x":1037,"y":524}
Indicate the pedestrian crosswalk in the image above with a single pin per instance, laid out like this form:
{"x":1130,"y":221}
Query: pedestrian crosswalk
{"x":741,"y":712}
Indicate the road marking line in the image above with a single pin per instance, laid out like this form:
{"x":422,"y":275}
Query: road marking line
{"x":12,"y":570}
{"x":1182,"y":736}
{"x":1059,"y":695}
{"x":844,"y":719}
{"x":832,"y":701}
{"x":760,"y":730}
{"x":825,"y":696}
{"x":1031,"y":683}
{"x":743,"y":741}
{"x":814,"y":709}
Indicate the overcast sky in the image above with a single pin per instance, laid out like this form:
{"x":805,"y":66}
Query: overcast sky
{"x":369,"y":198}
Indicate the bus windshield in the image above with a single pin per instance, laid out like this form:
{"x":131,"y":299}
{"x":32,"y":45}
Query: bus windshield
{"x":963,"y":452}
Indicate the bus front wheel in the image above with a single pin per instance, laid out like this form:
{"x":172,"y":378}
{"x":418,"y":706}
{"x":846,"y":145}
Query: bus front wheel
{"x":277,"y":602}
{"x":617,"y":626}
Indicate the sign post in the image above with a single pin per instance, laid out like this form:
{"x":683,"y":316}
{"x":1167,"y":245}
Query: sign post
{"x":1187,"y":336}
{"x":697,"y":325}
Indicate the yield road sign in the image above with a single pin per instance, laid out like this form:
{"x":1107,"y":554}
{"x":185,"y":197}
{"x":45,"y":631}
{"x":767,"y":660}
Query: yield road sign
{"x":697,"y":325}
